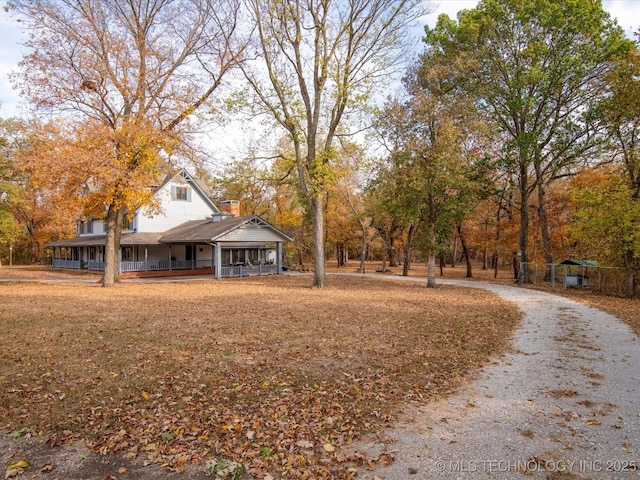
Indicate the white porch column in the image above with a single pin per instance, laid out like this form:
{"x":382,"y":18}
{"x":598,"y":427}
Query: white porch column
{"x":217,"y":260}
{"x":279,"y":257}
{"x":146,"y":258}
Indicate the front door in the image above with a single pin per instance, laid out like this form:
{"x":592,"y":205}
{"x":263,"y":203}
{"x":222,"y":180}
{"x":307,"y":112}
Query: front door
{"x":190,"y":255}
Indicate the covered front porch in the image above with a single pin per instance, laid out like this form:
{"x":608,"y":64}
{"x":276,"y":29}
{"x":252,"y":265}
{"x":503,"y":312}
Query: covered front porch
{"x":242,"y":247}
{"x":179,"y":260}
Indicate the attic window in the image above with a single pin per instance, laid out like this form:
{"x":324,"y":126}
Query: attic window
{"x":181,"y":193}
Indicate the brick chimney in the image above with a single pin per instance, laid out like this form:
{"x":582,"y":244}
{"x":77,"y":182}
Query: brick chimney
{"x":230,"y":206}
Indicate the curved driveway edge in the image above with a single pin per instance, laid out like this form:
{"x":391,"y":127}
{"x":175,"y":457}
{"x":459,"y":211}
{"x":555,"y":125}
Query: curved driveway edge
{"x":564,"y":403}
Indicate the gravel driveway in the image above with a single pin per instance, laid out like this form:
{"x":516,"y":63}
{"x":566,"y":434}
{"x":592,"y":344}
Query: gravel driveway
{"x":564,"y":403}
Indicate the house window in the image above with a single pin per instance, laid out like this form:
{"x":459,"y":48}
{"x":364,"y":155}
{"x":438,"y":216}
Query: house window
{"x":85,"y":227}
{"x":181,"y":193}
{"x":126,"y":224}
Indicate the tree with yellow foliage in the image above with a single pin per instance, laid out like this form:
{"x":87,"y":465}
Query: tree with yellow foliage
{"x":127,"y":77}
{"x":606,"y":220}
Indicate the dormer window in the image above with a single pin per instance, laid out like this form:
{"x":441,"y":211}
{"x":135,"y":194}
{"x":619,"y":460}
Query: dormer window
{"x":181,"y":193}
{"x":85,"y":227}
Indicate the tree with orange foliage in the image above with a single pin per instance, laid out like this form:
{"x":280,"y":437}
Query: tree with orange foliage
{"x":30,"y":215}
{"x":11,"y":190}
{"x":129,"y":77}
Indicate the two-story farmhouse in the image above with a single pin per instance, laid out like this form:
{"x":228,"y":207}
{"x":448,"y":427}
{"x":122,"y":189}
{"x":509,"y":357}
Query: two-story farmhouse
{"x":186,"y":235}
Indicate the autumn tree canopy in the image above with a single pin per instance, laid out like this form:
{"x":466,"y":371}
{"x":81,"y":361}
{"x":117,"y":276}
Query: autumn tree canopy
{"x":319,"y":63}
{"x":135,"y":73}
{"x":537,"y":67}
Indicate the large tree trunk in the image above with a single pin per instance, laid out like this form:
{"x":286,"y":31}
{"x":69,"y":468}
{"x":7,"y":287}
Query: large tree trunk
{"x":393,"y":261}
{"x":407,"y":251}
{"x":465,"y":251}
{"x":363,"y":252}
{"x":341,"y":254}
{"x":384,"y":260}
{"x":454,"y":251}
{"x":544,"y":230}
{"x":523,"y":268}
{"x":319,"y":264}
{"x":391,"y":241}
{"x":431,"y":258}
{"x":113,"y":227}
{"x":110,"y":252}
{"x":630,"y":276}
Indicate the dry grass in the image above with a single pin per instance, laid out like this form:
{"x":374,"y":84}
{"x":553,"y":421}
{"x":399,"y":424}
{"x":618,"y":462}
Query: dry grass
{"x":265,"y":370}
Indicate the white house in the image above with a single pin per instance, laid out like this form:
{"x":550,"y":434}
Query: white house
{"x":185,"y":234}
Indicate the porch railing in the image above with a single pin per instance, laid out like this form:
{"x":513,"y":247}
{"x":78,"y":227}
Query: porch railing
{"x":62,"y":263}
{"x":96,"y":266}
{"x":248,"y":270}
{"x":166,"y":265}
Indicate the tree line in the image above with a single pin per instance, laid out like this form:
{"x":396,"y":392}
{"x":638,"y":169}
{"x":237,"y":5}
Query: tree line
{"x":515,"y":128}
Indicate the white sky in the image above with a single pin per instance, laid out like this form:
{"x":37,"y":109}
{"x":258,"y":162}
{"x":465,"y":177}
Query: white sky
{"x":627,"y":12}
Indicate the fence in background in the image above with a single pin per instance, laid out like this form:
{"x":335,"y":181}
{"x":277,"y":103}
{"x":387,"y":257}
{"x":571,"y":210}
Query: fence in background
{"x":608,"y":280}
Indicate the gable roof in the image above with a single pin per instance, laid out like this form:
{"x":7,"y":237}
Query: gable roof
{"x":198,"y":187}
{"x":209,"y":231}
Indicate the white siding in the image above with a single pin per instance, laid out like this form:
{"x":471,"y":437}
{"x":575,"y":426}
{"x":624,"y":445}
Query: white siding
{"x":98,"y":227}
{"x":205,"y":254}
{"x":173,"y":212}
{"x":249,"y":233}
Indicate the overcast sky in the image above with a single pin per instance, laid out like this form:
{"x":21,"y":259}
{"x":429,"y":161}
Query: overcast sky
{"x":627,"y":12}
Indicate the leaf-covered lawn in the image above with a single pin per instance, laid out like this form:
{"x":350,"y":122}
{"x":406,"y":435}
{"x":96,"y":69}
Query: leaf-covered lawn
{"x":267,"y":371}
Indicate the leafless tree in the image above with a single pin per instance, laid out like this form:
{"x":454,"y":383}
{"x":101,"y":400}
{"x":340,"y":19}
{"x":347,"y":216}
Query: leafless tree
{"x":321,"y":62}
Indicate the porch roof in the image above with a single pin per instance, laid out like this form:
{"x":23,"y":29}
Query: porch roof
{"x":205,"y":231}
{"x":133,"y":238}
{"x":191,"y":232}
{"x":201,"y":231}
